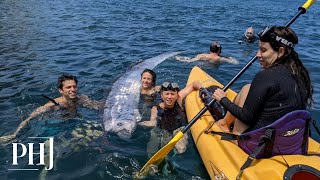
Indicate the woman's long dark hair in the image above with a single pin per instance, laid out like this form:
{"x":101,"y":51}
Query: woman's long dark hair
{"x":290,"y":59}
{"x":153,"y":74}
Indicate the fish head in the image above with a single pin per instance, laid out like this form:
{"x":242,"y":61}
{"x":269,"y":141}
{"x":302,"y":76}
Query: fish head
{"x":122,"y":127}
{"x":125,"y":128}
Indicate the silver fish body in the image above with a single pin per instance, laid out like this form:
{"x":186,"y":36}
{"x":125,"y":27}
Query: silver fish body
{"x":121,"y":112}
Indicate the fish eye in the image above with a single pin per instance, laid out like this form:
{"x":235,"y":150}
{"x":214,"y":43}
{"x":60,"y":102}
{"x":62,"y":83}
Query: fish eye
{"x":119,"y":124}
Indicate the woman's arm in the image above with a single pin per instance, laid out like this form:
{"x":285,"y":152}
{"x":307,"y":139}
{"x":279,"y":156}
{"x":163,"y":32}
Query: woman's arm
{"x":153,"y":118}
{"x":256,"y":97}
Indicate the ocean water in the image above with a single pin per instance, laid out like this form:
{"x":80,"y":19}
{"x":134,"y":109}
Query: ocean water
{"x":100,"y":40}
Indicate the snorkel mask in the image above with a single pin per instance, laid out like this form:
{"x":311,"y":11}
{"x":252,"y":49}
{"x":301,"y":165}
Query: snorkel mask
{"x":168,"y":86}
{"x":215,"y":47}
{"x":268,"y":35}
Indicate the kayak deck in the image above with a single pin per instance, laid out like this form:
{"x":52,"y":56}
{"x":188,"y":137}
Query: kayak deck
{"x":223,"y":158}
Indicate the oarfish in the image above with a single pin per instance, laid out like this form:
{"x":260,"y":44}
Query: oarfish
{"x":121,"y":108}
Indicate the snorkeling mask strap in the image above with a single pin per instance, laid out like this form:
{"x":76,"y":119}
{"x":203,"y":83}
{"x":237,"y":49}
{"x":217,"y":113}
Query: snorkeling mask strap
{"x":215,"y":48}
{"x":273,"y":37}
{"x":50,"y":99}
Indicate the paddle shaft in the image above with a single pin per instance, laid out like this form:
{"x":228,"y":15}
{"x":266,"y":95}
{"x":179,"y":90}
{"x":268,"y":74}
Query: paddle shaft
{"x":205,"y":108}
{"x":301,"y":11}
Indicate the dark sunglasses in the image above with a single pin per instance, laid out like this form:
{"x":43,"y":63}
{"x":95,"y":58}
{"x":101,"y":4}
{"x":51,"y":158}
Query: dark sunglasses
{"x":168,"y":86}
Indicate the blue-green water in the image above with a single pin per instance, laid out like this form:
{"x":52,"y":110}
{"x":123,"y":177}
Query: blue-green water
{"x":97,"y":41}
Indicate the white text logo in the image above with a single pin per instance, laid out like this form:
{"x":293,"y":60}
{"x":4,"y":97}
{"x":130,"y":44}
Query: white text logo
{"x":19,"y":151}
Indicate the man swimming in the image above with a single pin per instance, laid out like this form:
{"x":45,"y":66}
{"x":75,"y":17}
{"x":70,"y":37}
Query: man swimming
{"x":68,"y":102}
{"x":249,"y":36}
{"x":212,"y":57}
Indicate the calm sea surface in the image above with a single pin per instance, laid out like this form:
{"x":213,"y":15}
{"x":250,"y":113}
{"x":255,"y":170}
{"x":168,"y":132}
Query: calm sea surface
{"x":98,"y":41}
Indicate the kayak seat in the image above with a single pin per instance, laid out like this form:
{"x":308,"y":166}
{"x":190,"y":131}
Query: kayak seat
{"x":291,"y":136}
{"x":287,"y":135}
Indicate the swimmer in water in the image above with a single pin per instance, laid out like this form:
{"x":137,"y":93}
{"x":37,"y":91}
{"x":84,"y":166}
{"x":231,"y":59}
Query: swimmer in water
{"x":68,"y":102}
{"x":212,"y":57}
{"x":149,"y":91}
{"x":249,"y":36}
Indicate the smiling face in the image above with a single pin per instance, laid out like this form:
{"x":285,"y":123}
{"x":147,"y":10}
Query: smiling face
{"x":266,"y":55}
{"x":69,"y":89}
{"x":169,"y":98}
{"x":147,"y":80}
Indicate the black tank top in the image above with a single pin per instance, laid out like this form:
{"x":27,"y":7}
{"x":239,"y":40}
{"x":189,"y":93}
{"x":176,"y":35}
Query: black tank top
{"x":171,"y":119}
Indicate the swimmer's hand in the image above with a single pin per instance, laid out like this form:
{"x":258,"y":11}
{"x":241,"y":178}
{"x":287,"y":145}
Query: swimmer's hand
{"x":4,"y":139}
{"x":233,"y":60}
{"x":183,"y":59}
{"x":143,"y":124}
{"x":147,"y":123}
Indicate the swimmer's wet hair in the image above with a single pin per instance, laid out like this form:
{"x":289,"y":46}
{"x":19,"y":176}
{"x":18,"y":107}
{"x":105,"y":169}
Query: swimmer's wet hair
{"x":215,"y":47}
{"x":65,"y":77}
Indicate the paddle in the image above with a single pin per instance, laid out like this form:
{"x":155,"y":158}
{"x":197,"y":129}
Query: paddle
{"x":162,"y":153}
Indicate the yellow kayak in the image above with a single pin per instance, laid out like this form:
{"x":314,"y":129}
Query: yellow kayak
{"x":223,"y":159}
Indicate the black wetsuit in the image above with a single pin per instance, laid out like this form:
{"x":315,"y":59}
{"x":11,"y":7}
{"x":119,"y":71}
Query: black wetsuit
{"x":274,"y":92}
{"x":171,"y":119}
{"x":250,"y":40}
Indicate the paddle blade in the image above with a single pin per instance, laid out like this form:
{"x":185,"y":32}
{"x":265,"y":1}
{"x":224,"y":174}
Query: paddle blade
{"x":157,"y":158}
{"x":308,"y":4}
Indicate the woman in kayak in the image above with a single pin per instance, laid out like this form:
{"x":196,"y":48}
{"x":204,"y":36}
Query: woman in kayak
{"x":283,"y":85}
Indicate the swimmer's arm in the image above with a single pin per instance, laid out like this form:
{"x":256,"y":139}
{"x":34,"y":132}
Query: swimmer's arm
{"x":199,"y":57}
{"x":85,"y":101}
{"x":183,"y":93}
{"x":35,"y":113}
{"x":153,"y":119}
{"x":157,"y":88}
{"x":187,"y":59}
{"x":230,"y":60}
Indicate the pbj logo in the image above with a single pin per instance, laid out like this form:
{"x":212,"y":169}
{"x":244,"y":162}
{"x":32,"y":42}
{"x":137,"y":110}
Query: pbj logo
{"x":45,"y":153}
